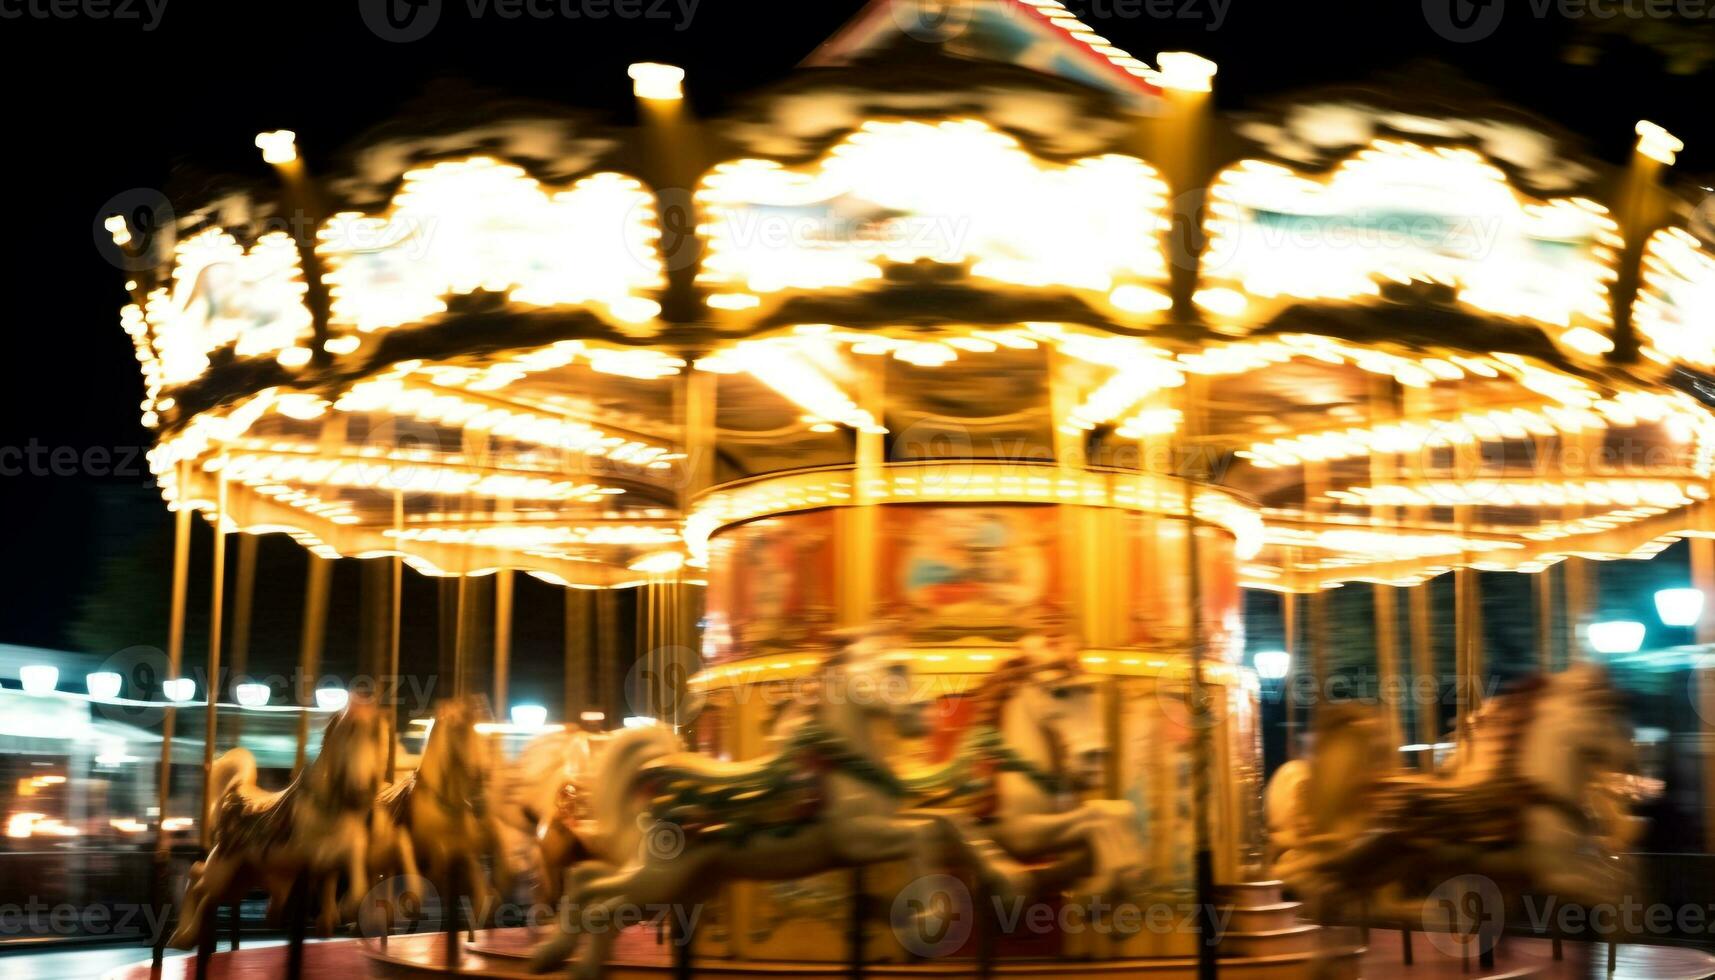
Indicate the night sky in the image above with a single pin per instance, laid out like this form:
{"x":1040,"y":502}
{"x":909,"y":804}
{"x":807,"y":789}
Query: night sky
{"x":96,"y":107}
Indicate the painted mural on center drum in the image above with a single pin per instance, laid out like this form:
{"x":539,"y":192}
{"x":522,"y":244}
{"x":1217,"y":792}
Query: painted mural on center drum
{"x":771,"y":586}
{"x":956,"y":571}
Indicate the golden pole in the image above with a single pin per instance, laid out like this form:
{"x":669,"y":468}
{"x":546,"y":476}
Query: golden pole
{"x":175,"y":654}
{"x":1289,"y":624}
{"x":397,"y":603}
{"x":169,"y":713}
{"x":1544,"y":593}
{"x":577,"y":644}
{"x":1703,"y":577}
{"x":607,"y":650}
{"x":1423,"y":656}
{"x":1201,"y":718}
{"x":310,"y":650}
{"x":503,"y":584}
{"x":242,"y":602}
{"x":211,"y":711}
{"x":1383,"y":471}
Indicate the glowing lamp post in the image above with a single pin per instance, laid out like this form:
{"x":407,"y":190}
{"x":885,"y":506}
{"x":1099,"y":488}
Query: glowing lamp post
{"x":38,"y":678}
{"x":530,"y":717}
{"x":1272,"y":665}
{"x":1616,"y":636}
{"x":1679,"y":607}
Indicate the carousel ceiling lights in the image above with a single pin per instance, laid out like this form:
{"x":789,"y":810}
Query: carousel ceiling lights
{"x":278,"y":147}
{"x":460,"y":226}
{"x":1657,"y":143}
{"x":953,"y":192}
{"x":1405,"y":213}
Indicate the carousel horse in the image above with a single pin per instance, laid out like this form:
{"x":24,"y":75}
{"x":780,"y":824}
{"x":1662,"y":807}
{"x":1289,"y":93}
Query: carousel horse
{"x":317,"y":826}
{"x":444,"y":822}
{"x":546,"y":793}
{"x":1036,"y":735}
{"x":672,"y":826}
{"x":1523,"y":805}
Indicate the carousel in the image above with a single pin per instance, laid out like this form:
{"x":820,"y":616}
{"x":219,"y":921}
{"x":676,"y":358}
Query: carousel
{"x":936,"y":404}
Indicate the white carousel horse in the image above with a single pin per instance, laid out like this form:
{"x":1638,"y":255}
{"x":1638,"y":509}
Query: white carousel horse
{"x":443,"y":822}
{"x":318,"y":825}
{"x":545,"y":796}
{"x":1523,"y":805}
{"x":1039,"y":735}
{"x":672,"y":826}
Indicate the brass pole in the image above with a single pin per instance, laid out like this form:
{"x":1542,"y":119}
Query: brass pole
{"x":577,"y":643}
{"x":1703,"y":577}
{"x":169,"y":714}
{"x":1427,"y":680}
{"x":242,"y":603}
{"x":175,"y":655}
{"x":1202,"y":719}
{"x":607,"y":654}
{"x":1544,"y":592}
{"x":310,"y":650}
{"x":396,"y":601}
{"x":503,"y":584}
{"x":211,"y":711}
{"x":1289,"y":622}
{"x":1384,"y":408}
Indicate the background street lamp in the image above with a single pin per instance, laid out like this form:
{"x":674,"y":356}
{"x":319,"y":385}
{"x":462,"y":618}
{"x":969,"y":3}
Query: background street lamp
{"x":1272,"y":665}
{"x":1616,"y":636}
{"x":1679,"y":607}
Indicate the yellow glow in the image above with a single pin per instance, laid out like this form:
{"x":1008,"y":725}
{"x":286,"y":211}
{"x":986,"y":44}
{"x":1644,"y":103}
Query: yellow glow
{"x":659,"y":563}
{"x":460,"y":226}
{"x":1140,"y":299}
{"x":424,"y":476}
{"x":791,"y":366}
{"x":222,"y":295}
{"x":1527,"y":493}
{"x":650,"y":80}
{"x":1657,"y":143}
{"x":278,"y":146}
{"x":1185,"y":71}
{"x":115,"y":225}
{"x":1675,"y":307}
{"x":956,"y":192}
{"x":1398,"y":212}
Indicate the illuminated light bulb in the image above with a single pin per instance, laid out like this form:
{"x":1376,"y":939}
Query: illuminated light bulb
{"x":332,"y":698}
{"x":1272,"y":665}
{"x":651,"y":80}
{"x":38,"y":678}
{"x":1657,"y":143}
{"x":179,"y":689}
{"x":593,"y":717}
{"x":639,"y":721}
{"x":1679,"y":607}
{"x":278,"y":146}
{"x":1139,"y":299}
{"x":104,"y":685}
{"x":1616,"y":636}
{"x":252,"y":694}
{"x":293,"y":357}
{"x":634,"y":309}
{"x":1185,"y":71}
{"x":1222,"y":302}
{"x":734,"y":301}
{"x":529,"y":716}
{"x":659,"y":563}
{"x":115,"y":225}
{"x":341,"y":345}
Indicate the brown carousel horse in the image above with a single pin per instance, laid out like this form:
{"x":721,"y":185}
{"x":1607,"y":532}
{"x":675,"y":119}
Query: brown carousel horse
{"x":317,"y":826}
{"x":1530,"y":804}
{"x":439,"y":818}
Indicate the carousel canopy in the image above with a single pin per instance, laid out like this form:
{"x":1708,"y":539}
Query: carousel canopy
{"x":1399,"y":337}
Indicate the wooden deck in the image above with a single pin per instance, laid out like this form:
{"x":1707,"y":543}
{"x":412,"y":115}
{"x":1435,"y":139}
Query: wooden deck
{"x":499,"y":954}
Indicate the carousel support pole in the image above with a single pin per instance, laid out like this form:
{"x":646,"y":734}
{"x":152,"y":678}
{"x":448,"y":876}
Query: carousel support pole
{"x":1703,"y":578}
{"x":1289,"y":602}
{"x":1384,"y":469}
{"x":310,"y":650}
{"x":1544,"y":594}
{"x":577,"y":651}
{"x":297,"y":924}
{"x":503,"y":586}
{"x":1208,"y":937}
{"x":1315,"y":485}
{"x":243,"y":601}
{"x":855,"y":924}
{"x":607,"y":655}
{"x":396,"y":601}
{"x":169,"y":714}
{"x":1423,"y":660}
{"x":461,"y":633}
{"x":216,"y":610}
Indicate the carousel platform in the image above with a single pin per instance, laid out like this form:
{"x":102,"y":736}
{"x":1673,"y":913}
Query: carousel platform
{"x":499,"y":953}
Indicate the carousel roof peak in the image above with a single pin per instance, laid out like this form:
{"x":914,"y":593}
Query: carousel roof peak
{"x":1042,"y":35}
